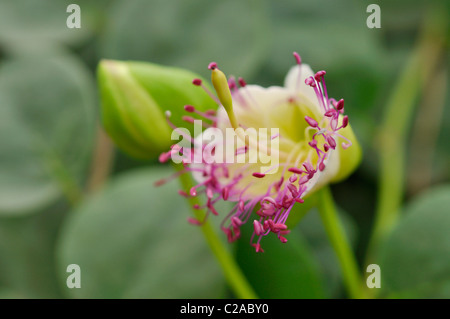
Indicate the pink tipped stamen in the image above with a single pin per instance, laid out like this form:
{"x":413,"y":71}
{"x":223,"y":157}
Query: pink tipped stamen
{"x":297,"y":57}
{"x":340,"y":105}
{"x":312,"y":122}
{"x":212,"y":66}
{"x":259,"y":230}
{"x":189,"y":108}
{"x":319,"y":95}
{"x":232,"y":83}
{"x":295,"y":170}
{"x":194,"y":221}
{"x":331,"y":141}
{"x":168,"y":179}
{"x":321,"y":166}
{"x":242,"y":82}
{"x":320,"y":78}
{"x":310,"y":81}
{"x":225,"y":193}
{"x":258,"y":175}
{"x":330,"y":113}
{"x":188,"y":119}
{"x":298,"y":60}
{"x":183,"y":193}
{"x":344,"y":122}
{"x":319,"y":75}
{"x":346,"y":145}
{"x":197,"y":82}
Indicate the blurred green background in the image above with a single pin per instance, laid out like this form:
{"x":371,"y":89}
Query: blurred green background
{"x":68,"y":196}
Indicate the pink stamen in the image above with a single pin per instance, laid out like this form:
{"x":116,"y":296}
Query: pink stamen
{"x":232,"y":83}
{"x":330,"y":113}
{"x":321,"y":166}
{"x":310,"y":81}
{"x":258,"y":248}
{"x":258,"y":175}
{"x":259,"y":230}
{"x":295,"y":170}
{"x":312,"y":122}
{"x":297,"y":57}
{"x":194,"y":221}
{"x":183,"y":193}
{"x":189,"y":108}
{"x":340,"y":105}
{"x":319,"y":75}
{"x":331,"y":142}
{"x":188,"y":119}
{"x":225,"y":193}
{"x":344,"y":121}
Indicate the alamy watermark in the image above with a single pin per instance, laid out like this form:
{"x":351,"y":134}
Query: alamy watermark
{"x":374,"y":19}
{"x":374,"y":279}
{"x":74,"y":279}
{"x":74,"y":19}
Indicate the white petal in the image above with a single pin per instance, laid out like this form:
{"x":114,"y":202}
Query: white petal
{"x":295,"y":84}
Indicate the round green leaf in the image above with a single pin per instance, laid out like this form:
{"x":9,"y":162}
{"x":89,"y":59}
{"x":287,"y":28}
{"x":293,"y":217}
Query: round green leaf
{"x":415,"y":259}
{"x":27,"y":243}
{"x":132,"y":240}
{"x":46,"y":129}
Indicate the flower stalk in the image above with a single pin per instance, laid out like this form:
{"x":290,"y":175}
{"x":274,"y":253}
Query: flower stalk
{"x":339,"y":241}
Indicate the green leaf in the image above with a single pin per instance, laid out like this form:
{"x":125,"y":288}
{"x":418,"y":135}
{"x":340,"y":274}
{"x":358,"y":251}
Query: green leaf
{"x":27,"y":244}
{"x":132,"y":240}
{"x":415,"y":259}
{"x":283,"y":270}
{"x":47,"y":125}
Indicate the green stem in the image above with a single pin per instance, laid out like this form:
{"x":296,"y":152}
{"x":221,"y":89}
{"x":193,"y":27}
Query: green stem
{"x":392,"y":138}
{"x":233,"y":274}
{"x":340,"y":243}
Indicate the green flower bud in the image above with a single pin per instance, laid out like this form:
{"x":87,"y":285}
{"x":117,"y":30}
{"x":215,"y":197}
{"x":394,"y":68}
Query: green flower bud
{"x":134,"y":98}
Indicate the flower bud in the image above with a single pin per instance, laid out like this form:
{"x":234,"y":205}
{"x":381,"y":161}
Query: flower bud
{"x":134,"y":98}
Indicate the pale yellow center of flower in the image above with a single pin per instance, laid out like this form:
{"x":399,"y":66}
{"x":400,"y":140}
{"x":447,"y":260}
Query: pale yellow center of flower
{"x":272,"y":109}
